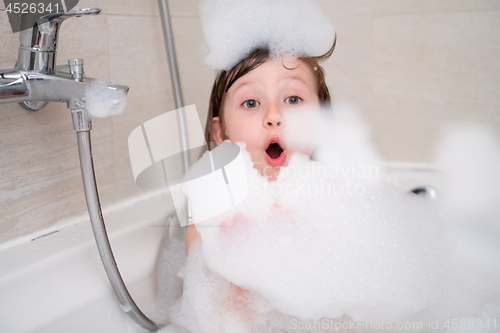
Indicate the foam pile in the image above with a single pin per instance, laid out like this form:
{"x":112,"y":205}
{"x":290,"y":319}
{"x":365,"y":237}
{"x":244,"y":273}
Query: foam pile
{"x":314,"y":256}
{"x":232,"y":28}
{"x":469,"y":205}
{"x":293,"y":252}
{"x":102,"y":101}
{"x":469,"y":156}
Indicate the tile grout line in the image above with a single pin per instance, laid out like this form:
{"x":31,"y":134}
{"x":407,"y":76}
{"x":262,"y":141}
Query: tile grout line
{"x":426,"y":12}
{"x":112,"y":122}
{"x":153,"y":15}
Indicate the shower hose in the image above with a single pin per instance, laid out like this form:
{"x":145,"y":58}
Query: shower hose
{"x":82,"y":125}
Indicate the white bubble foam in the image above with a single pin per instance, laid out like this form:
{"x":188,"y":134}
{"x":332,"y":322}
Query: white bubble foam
{"x":303,"y":254}
{"x":469,"y":156}
{"x":327,"y":246}
{"x":232,"y":28}
{"x":102,"y":101}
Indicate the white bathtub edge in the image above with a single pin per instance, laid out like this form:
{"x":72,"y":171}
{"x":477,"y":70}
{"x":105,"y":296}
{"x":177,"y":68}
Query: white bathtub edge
{"x":45,"y":278}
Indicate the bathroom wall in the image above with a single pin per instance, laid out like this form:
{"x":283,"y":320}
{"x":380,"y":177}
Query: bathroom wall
{"x":413,"y":67}
{"x":410,"y":67}
{"x":40,"y":181}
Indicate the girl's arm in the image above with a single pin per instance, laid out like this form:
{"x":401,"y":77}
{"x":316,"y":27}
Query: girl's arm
{"x":191,"y":235}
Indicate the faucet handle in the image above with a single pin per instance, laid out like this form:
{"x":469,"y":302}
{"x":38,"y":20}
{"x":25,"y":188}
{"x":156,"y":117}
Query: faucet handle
{"x":44,"y":34}
{"x":39,"y":44}
{"x":59,"y":17}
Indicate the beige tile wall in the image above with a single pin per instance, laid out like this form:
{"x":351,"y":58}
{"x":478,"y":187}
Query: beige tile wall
{"x":40,"y":180}
{"x":410,"y":67}
{"x":414,"y":67}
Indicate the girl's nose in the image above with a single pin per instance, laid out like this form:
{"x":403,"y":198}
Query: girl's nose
{"x":273,"y":117}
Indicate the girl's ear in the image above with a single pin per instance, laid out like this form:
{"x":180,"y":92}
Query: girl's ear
{"x":217,"y":130}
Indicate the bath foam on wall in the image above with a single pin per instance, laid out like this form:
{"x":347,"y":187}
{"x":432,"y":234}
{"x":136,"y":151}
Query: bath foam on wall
{"x":301,"y":255}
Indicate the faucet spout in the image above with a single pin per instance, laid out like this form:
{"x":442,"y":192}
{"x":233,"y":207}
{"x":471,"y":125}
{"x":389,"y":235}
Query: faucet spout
{"x":61,"y":86}
{"x":35,"y":80}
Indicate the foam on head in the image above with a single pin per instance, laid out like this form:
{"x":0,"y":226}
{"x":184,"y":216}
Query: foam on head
{"x":233,"y":28}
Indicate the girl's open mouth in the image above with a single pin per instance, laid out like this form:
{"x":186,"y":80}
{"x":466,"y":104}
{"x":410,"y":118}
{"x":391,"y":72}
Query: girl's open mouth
{"x":275,"y":153}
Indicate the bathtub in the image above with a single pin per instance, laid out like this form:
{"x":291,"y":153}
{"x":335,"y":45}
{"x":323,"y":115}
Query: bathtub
{"x":54,"y":281}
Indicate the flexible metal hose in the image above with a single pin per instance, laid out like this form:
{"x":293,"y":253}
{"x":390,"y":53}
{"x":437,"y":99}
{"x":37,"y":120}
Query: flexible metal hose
{"x":82,"y":126}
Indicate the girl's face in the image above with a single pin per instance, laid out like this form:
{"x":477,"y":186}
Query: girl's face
{"x":254,"y":107}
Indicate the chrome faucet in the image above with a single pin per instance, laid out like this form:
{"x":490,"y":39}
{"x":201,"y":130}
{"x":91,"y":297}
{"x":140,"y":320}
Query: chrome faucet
{"x":33,"y":83}
{"x":36,"y":80}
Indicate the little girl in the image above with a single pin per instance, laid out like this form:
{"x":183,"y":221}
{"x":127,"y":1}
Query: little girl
{"x":248,"y":103}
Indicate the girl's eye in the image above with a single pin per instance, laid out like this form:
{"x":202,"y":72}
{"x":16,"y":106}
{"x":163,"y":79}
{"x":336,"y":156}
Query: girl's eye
{"x":293,"y":100}
{"x":251,"y":103}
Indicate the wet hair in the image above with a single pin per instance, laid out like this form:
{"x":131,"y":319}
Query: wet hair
{"x":225,"y":79}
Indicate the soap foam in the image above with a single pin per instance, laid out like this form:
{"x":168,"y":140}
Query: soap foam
{"x":380,"y":256}
{"x":102,"y":101}
{"x":469,"y":157}
{"x":233,"y":28}
{"x":469,"y":204}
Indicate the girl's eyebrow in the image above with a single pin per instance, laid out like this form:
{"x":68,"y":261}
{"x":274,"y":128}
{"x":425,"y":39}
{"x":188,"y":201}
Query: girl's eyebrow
{"x":295,"y":78}
{"x":245,"y":88}
{"x":297,"y":84}
{"x":239,"y":85}
{"x":290,"y":77}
